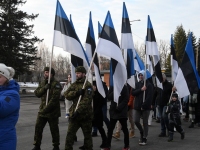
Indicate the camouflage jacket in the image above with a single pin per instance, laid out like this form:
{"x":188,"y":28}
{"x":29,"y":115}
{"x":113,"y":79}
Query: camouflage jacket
{"x":52,"y":109}
{"x":84,"y":108}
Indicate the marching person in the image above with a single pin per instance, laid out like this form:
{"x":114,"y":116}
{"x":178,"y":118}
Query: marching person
{"x":82,"y":117}
{"x":118,"y":112}
{"x":48,"y":113}
{"x":142,"y":108}
{"x":68,"y":104}
{"x":174,"y":117}
{"x":9,"y":108}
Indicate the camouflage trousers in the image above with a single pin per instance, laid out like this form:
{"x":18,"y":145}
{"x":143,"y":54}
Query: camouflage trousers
{"x":53,"y":124}
{"x":74,"y":125}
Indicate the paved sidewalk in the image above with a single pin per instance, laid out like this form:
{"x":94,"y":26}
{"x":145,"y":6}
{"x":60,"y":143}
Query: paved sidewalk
{"x":26,"y":124}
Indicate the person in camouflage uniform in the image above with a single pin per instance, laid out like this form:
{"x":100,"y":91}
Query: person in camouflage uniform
{"x":82,"y":117}
{"x":50,"y":112}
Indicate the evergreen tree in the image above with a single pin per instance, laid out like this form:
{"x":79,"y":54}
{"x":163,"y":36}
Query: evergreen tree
{"x":17,"y":43}
{"x":180,"y":41}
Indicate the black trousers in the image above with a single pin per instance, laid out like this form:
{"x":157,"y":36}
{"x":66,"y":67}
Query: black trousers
{"x":123,"y":123}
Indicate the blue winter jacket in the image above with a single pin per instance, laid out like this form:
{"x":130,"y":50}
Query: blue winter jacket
{"x":9,"y":114}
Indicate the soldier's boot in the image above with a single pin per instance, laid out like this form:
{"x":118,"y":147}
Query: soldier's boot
{"x":36,"y":147}
{"x":182,"y":135}
{"x":56,"y":148}
{"x":170,"y":138}
{"x":116,"y":135}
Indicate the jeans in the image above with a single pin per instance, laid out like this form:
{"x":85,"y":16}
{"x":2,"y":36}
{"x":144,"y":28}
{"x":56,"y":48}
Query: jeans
{"x":164,"y":121}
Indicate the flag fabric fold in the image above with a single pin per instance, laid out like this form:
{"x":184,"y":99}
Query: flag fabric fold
{"x":187,"y":80}
{"x":65,"y":36}
{"x":90,"y":48}
{"x":174,"y":62}
{"x":108,"y":45}
{"x":152,"y":49}
{"x":75,"y":61}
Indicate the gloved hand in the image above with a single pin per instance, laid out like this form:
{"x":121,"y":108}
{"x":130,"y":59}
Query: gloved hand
{"x":80,"y":92}
{"x":74,"y":115}
{"x":47,"y":86}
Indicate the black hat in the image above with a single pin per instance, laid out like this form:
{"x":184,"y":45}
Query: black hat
{"x":175,"y":95}
{"x":80,"y":69}
{"x":52,"y":70}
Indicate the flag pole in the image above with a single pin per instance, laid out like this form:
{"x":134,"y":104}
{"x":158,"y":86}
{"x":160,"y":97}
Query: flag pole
{"x":86,"y":78}
{"x":49,"y":78}
{"x":145,"y":69}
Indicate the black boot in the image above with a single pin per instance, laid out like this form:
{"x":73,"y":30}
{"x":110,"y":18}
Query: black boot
{"x":182,"y":135}
{"x":192,"y":125}
{"x":36,"y":148}
{"x":56,"y":148}
{"x":75,"y":139}
{"x":82,"y":147}
{"x":170,"y":139}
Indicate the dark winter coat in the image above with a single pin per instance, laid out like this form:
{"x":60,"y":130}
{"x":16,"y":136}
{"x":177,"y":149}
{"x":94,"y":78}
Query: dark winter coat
{"x":52,"y":109}
{"x":119,"y":111}
{"x":98,"y":101}
{"x":138,"y":93}
{"x":174,"y":112}
{"x":166,"y":93}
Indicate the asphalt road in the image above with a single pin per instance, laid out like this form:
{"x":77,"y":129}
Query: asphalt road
{"x":26,"y":124}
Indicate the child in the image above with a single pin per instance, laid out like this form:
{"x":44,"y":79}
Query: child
{"x":174,"y":117}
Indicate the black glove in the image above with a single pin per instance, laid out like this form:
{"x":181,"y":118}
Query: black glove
{"x":74,"y":115}
{"x":47,"y":86}
{"x":80,"y":92}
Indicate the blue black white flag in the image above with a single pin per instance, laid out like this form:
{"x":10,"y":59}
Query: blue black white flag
{"x":90,"y":47}
{"x":174,"y":62}
{"x":152,"y":49}
{"x":187,"y":80}
{"x":75,"y":61}
{"x":65,"y":35}
{"x":99,"y":29}
{"x":108,"y":45}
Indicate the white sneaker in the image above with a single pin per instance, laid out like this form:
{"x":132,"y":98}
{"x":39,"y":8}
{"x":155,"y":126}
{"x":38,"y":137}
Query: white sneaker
{"x":67,"y":116}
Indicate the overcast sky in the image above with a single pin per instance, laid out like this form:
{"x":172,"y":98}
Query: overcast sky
{"x":165,"y":16}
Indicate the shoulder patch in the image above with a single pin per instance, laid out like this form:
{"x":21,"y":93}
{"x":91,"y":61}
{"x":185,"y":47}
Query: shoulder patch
{"x":89,"y":91}
{"x":7,"y":99}
{"x":58,"y":86}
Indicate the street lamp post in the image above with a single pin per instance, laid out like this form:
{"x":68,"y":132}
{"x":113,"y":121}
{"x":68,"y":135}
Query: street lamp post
{"x":134,"y":20}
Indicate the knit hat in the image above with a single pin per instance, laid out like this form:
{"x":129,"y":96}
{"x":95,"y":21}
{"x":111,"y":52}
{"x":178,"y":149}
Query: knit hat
{"x":7,"y":72}
{"x":52,"y":70}
{"x":175,"y":95}
{"x":80,"y":69}
{"x":141,"y":72}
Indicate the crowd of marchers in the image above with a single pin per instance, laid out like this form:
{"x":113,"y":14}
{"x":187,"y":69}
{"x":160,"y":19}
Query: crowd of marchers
{"x":86,"y":108}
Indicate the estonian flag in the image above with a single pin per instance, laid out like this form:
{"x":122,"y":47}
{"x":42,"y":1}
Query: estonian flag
{"x":126,"y":36}
{"x":65,"y":36}
{"x":174,"y":62}
{"x":90,"y":47}
{"x":187,"y":80}
{"x":75,"y":61}
{"x":99,"y":29}
{"x":128,"y":47}
{"x":108,"y":45}
{"x":152,"y":49}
